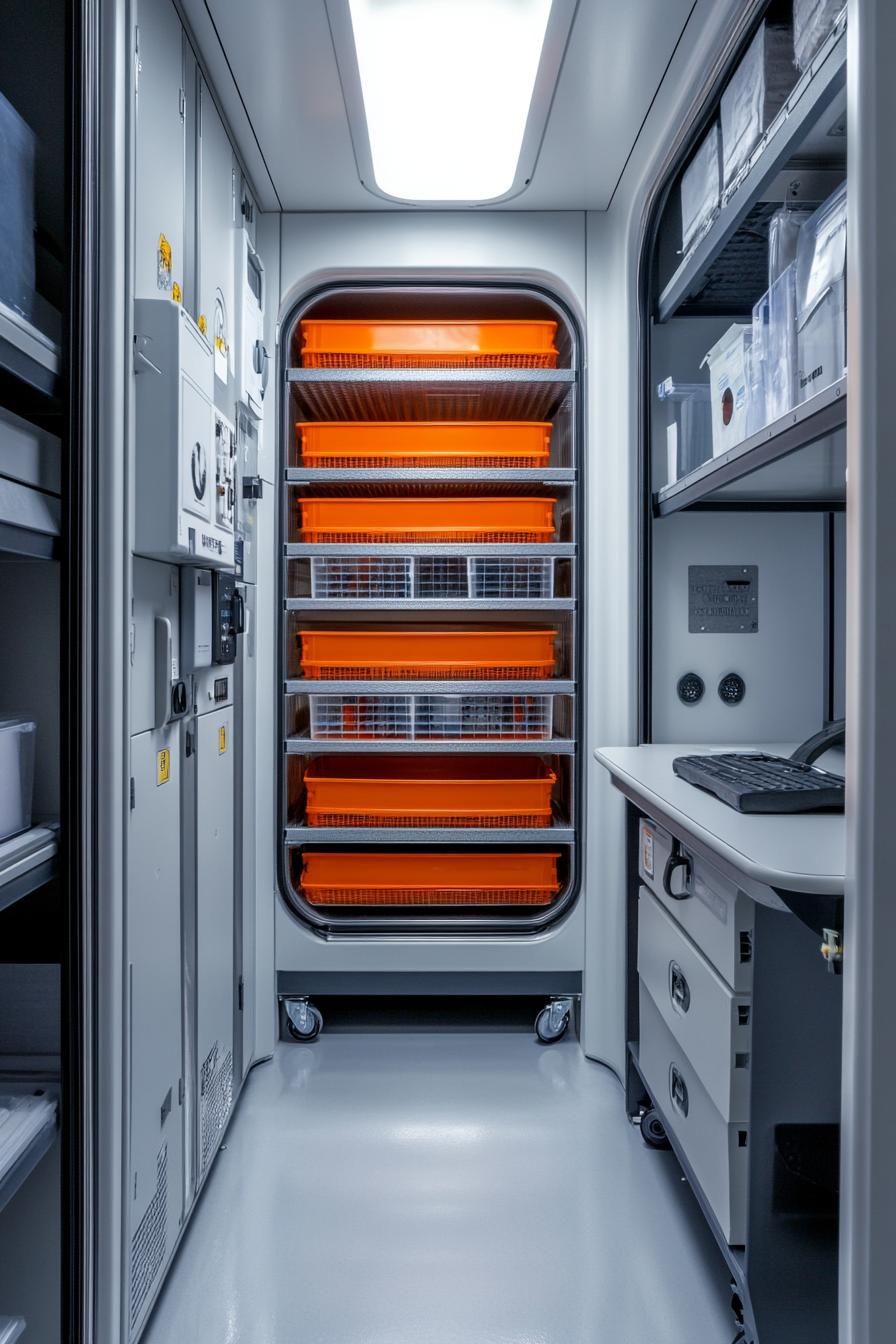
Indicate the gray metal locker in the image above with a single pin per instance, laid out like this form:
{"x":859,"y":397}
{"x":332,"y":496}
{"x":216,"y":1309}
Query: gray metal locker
{"x":215,"y":979}
{"x":161,"y":108}
{"x":154,"y":1193}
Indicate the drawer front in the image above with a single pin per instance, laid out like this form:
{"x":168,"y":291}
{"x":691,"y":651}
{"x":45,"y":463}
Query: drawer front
{"x":710,"y":1022}
{"x":716,"y":1151}
{"x":713,"y":913}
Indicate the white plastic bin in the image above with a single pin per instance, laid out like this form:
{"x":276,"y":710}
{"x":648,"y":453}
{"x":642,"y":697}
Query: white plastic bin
{"x":17,"y":145}
{"x":701,"y":189}
{"x":813,"y":20}
{"x":820,"y":297}
{"x":689,"y":430}
{"x":16,"y":775}
{"x":728,"y":386}
{"x":756,"y":92}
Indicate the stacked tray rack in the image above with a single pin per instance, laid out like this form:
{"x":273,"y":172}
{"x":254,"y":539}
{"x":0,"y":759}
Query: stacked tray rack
{"x":428,"y":481}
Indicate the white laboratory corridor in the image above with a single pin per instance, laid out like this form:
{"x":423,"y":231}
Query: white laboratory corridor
{"x":441,"y":1186}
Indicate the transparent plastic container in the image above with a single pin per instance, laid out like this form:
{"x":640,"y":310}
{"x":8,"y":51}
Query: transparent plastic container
{"x":758,"y":354}
{"x":362,"y":718}
{"x":689,"y":431}
{"x":820,"y":298}
{"x":813,"y":20}
{"x":431,"y":718}
{"x":17,"y":737}
{"x":701,"y":189}
{"x":783,"y":235}
{"x":780,"y":347}
{"x":756,"y":92}
{"x":362,"y":576}
{"x":431,"y":576}
{"x":510,"y":576}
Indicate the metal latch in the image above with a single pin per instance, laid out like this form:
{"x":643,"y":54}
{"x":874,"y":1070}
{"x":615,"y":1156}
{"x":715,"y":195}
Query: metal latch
{"x":253,"y":487}
{"x":142,"y":362}
{"x":832,"y":950}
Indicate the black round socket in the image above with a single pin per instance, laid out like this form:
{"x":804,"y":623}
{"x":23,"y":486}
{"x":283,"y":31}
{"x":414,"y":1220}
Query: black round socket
{"x":732,"y":689}
{"x":690,"y":688}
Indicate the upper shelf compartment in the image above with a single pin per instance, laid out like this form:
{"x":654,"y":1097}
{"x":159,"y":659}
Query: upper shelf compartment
{"x":813,"y":96}
{"x":27,"y":356}
{"x":428,"y":394}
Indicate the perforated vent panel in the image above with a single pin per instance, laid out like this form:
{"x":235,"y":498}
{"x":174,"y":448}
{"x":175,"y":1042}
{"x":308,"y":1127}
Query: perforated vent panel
{"x":149,"y":1241}
{"x":215,"y":1100}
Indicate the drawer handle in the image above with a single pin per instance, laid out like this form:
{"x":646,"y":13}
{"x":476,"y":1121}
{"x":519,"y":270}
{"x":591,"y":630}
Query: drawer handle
{"x":678,"y":1091}
{"x":679,"y":989}
{"x":677,"y":860}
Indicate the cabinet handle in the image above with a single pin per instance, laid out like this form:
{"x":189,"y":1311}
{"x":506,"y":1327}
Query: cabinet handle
{"x":676,"y":860}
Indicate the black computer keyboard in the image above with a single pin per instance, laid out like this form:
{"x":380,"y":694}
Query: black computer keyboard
{"x":752,"y":781}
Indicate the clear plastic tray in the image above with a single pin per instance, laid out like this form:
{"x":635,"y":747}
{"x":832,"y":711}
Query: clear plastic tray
{"x":434,"y":576}
{"x":431,"y":718}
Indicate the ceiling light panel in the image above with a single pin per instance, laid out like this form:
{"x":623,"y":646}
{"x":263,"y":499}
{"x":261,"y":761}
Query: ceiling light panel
{"x":448,"y":99}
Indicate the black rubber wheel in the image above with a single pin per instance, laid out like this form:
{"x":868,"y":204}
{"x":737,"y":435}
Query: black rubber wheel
{"x":652,"y":1131}
{"x":542,"y":1029}
{"x":317,"y":1025}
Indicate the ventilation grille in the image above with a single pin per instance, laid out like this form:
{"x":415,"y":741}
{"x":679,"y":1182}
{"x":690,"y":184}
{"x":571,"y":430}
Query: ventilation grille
{"x":216,"y":1098}
{"x":148,"y":1242}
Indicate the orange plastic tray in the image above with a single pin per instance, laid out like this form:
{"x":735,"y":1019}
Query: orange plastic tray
{"x":420,"y":519}
{"x":425,"y":443}
{"x":388,"y":344}
{"x":430,"y":879}
{"x":421,"y":655}
{"x":429,"y":791}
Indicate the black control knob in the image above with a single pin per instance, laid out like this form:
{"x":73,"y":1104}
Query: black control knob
{"x":690,"y":688}
{"x":732,"y":689}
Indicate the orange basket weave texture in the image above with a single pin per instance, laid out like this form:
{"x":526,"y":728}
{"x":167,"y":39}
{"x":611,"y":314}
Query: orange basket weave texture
{"x":409,"y":344}
{"x":422,"y":655}
{"x":430,"y":879}
{"x":417,"y":443}
{"x":487,"y":791}
{"x":360,"y":519}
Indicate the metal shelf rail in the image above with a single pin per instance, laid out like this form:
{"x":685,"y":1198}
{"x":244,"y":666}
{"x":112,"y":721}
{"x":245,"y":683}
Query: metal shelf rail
{"x":813,"y":94}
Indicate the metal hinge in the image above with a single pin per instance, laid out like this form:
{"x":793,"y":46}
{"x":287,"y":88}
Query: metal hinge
{"x":180,"y":1091}
{"x":133,"y":795}
{"x":240,"y":993}
{"x":182,"y":102}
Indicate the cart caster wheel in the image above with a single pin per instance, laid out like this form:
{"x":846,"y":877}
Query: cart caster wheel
{"x":652,"y":1131}
{"x":552,"y":1022}
{"x":304,"y":1022}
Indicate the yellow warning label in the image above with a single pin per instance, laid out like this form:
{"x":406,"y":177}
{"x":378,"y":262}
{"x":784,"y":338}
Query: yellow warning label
{"x":202,"y":324}
{"x":222,"y":739}
{"x":164,"y":767}
{"x":164,"y":263}
{"x":175,"y":292}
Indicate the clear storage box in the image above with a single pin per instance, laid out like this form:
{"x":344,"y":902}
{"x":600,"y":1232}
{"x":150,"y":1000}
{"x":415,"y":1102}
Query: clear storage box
{"x":780,"y":352}
{"x":813,"y":20}
{"x":756,"y":369}
{"x":820,"y":285}
{"x":431,"y":718}
{"x":783,"y":235}
{"x":17,"y":145}
{"x":435,"y":576}
{"x":689,"y":429}
{"x":701,"y":189}
{"x":16,"y":774}
{"x":756,"y":92}
{"x":728,"y":387}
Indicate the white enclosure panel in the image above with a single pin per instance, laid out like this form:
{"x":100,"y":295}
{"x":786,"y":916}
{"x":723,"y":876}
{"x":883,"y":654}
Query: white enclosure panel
{"x":156,"y":593}
{"x":548,"y":244}
{"x":215,"y":980}
{"x":782,"y":664}
{"x":153,"y":1185}
{"x":160,"y":149}
{"x":219,"y":183}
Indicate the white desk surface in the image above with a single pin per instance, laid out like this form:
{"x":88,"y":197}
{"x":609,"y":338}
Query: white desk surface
{"x":797,"y":853}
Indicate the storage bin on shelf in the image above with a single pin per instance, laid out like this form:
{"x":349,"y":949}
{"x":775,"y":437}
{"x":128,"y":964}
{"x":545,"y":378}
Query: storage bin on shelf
{"x":431,"y":718}
{"x":755,"y":94}
{"x":820,"y":297}
{"x":487,"y":791}
{"x":689,"y":428}
{"x":430,"y":879}
{"x":17,"y":739}
{"x":421,"y":443}
{"x":440,"y":576}
{"x":395,"y":519}
{"x":351,"y":344}
{"x":701,"y":189}
{"x":729,"y":378}
{"x":428,"y":654}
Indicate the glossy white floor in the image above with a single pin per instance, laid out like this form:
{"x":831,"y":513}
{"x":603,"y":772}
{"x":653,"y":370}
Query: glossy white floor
{"x":441,"y":1189}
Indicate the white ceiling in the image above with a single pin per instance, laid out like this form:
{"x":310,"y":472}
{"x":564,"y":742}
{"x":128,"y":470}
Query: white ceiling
{"x":274,"y":70}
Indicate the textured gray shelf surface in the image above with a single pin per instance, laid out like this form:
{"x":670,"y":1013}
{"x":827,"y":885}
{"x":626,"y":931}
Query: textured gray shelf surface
{"x":800,"y":428}
{"x":323,"y":475}
{"x":430,"y":835}
{"x":27,"y":353}
{"x":527,"y":604}
{"x":812,"y":96}
{"x":27,"y":861}
{"x":542,"y":550}
{"x":553,"y":746}
{"x":30,"y":520}
{"x":429,"y":394}
{"x":19,"y":1172}
{"x":408,"y":686}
